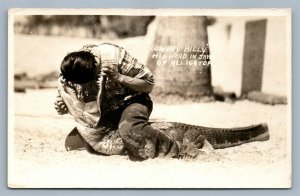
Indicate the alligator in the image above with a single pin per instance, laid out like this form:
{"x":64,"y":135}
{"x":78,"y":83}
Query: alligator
{"x":188,"y":137}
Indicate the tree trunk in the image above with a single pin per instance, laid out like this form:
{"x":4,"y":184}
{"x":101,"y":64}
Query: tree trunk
{"x":179,"y":58}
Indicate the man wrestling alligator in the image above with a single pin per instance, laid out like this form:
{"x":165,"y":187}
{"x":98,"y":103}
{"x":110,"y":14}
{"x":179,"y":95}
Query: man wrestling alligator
{"x":106,"y":90}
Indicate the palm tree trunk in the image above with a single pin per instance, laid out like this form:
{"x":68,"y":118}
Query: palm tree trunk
{"x":179,"y":58}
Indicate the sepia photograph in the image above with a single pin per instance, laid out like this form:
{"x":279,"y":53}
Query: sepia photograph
{"x":149,"y":98}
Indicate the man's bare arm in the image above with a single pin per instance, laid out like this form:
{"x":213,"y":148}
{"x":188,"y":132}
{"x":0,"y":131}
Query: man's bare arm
{"x":135,"y":84}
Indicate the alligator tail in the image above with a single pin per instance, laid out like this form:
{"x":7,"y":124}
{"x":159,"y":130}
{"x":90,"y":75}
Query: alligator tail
{"x":229,"y":137}
{"x":217,"y":137}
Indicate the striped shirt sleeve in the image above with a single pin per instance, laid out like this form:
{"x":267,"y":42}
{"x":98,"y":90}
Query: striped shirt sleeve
{"x":131,"y":67}
{"x":128,"y":65}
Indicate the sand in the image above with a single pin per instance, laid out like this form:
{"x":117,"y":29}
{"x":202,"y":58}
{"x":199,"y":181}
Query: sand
{"x":38,"y":158}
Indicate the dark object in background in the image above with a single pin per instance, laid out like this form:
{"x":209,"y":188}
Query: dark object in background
{"x":19,"y":89}
{"x":23,"y":82}
{"x":254,"y":54}
{"x":266,"y":98}
{"x":220,"y":95}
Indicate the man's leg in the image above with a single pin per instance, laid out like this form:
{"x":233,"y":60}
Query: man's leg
{"x":141,"y":140}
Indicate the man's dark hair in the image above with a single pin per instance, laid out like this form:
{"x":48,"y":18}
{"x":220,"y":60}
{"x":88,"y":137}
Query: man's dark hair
{"x":79,"y":67}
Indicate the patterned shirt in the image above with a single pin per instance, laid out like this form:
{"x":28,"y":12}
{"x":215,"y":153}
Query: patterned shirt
{"x":117,"y":95}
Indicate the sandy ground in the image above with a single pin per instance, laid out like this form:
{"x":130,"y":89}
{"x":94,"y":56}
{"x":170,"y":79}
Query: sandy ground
{"x":38,"y":158}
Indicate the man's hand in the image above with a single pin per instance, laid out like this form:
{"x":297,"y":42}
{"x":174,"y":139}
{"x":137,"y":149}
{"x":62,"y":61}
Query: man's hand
{"x":135,"y":84}
{"x":110,"y":71}
{"x":60,"y":106}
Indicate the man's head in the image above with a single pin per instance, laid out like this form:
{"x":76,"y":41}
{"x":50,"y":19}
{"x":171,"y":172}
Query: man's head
{"x":79,"y":67}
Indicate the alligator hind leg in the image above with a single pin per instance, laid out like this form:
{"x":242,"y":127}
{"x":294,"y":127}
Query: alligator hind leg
{"x":193,"y":151}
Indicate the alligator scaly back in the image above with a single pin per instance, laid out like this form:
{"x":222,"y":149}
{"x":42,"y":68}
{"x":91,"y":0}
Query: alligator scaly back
{"x":217,"y":137}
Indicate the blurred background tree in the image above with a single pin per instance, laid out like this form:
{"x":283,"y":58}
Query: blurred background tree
{"x":91,"y":26}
